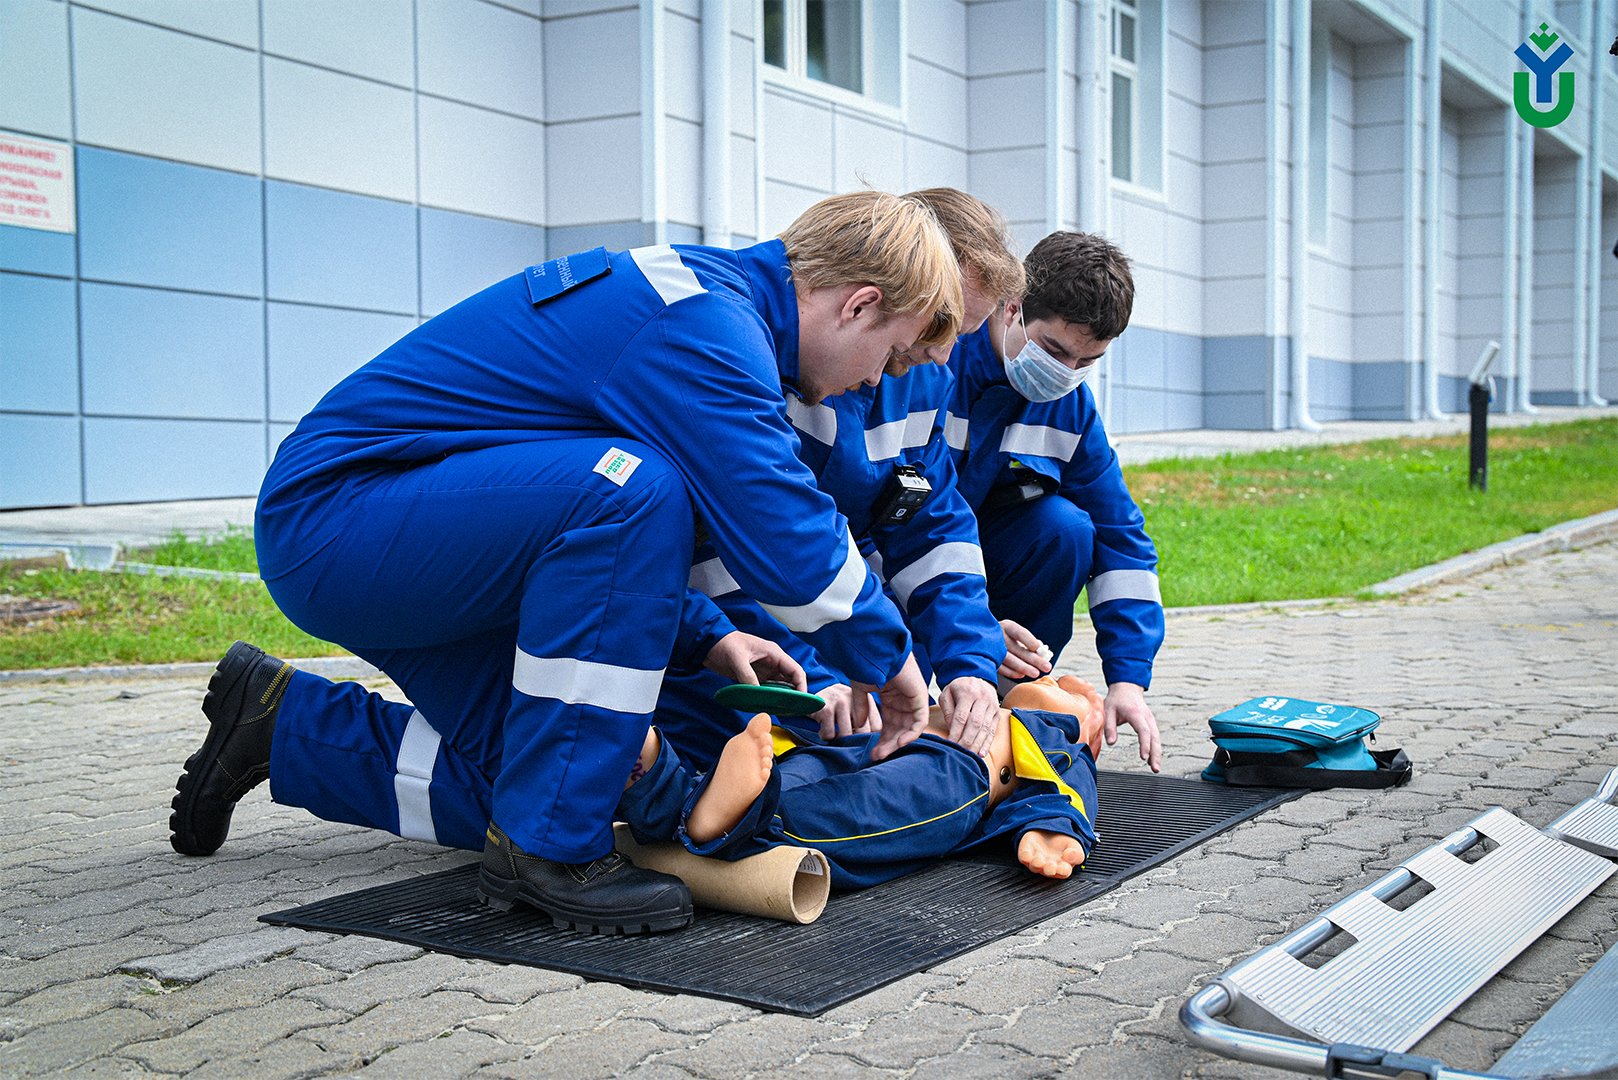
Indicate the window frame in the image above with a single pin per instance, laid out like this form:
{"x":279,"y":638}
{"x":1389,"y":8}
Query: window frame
{"x":795,"y":45}
{"x":1148,"y":102}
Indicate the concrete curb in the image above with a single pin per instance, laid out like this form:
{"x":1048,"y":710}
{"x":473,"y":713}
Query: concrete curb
{"x":332,"y":667}
{"x":1568,"y":536}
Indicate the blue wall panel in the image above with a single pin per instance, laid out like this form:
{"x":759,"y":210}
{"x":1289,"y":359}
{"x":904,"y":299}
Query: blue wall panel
{"x":1331,"y":389}
{"x":1182,"y":362}
{"x":39,"y":344}
{"x":329,"y":247}
{"x":39,"y":461}
{"x":1181,"y":412}
{"x":1137,"y":357}
{"x":153,"y":352}
{"x":313,"y":348}
{"x":1236,"y":365}
{"x":150,"y":460}
{"x":1236,"y":412}
{"x":1379,"y":390}
{"x":462,"y":254}
{"x":150,"y":222}
{"x":612,"y":235}
{"x":35,"y":251}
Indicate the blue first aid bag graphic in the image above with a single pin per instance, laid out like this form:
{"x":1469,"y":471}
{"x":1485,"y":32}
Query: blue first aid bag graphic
{"x":1289,"y":742}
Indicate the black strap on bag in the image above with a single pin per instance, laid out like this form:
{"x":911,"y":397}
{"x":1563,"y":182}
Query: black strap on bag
{"x":1290,"y":769}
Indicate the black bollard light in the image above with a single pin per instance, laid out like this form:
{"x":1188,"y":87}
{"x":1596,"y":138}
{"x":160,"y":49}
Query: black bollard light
{"x":1480,"y":392}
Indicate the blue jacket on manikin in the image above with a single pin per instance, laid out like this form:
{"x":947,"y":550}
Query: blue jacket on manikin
{"x":999,"y":438}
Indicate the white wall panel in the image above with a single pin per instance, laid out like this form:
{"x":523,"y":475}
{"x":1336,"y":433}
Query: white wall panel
{"x":938,"y":33}
{"x":741,"y":85}
{"x":683,"y":169}
{"x":233,"y":21}
{"x":374,"y":39}
{"x":1233,"y":249}
{"x":483,"y":55}
{"x":927,"y":164}
{"x":34,"y":68}
{"x":797,"y":142}
{"x":1004,"y":36}
{"x":743,"y":191}
{"x":868,"y":154}
{"x":577,"y":51}
{"x":1233,"y":308}
{"x":338,"y":131}
{"x":1013,"y":181}
{"x":1233,"y":74}
{"x":1232,"y":22}
{"x":482,"y":162}
{"x":154,"y":91}
{"x":1234,"y":191}
{"x":783,"y":203}
{"x":592,"y":171}
{"x":1232,"y":133}
{"x":1006,"y":111}
{"x":682,"y":42}
{"x":937,"y":106}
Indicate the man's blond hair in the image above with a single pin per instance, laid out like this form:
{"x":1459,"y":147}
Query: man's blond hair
{"x":981,"y":239}
{"x":891,"y":241}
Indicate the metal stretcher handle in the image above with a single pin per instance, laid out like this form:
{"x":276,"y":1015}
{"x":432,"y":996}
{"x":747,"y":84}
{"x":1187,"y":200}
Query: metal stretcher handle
{"x":1201,"y":1016}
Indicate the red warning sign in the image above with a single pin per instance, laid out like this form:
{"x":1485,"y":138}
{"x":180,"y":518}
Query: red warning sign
{"x":36,"y":183}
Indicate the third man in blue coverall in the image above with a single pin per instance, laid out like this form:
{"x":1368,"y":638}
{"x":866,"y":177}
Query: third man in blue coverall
{"x":1054,"y":515}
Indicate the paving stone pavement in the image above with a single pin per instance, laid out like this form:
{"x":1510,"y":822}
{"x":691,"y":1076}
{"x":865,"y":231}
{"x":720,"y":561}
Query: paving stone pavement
{"x":118,"y":957}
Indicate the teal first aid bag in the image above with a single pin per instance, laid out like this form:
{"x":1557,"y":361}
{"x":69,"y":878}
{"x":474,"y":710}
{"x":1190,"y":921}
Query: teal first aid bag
{"x":1285,"y":742}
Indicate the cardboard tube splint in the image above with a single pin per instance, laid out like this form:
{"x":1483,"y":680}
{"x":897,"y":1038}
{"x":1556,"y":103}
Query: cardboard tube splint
{"x":787,"y":883}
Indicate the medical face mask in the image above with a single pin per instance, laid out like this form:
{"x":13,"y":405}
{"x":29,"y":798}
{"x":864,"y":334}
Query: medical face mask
{"x":1036,"y":374}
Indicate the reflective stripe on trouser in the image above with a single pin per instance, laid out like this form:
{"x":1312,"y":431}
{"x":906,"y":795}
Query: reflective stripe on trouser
{"x":872,"y":822}
{"x":460,"y":576}
{"x":1038,"y":557}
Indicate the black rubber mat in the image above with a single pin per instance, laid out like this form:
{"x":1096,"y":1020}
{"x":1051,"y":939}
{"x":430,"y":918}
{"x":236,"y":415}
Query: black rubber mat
{"x":863,"y":941}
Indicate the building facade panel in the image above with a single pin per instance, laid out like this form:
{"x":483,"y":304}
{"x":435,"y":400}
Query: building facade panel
{"x":375,"y":39}
{"x":338,"y":131}
{"x":39,"y":345}
{"x":35,"y":96}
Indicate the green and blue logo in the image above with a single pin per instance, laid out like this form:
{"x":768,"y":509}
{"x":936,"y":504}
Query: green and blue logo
{"x":1542,"y":64}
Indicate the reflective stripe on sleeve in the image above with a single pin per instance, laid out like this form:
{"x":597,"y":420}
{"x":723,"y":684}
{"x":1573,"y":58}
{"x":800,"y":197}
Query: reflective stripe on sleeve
{"x":672,"y":279}
{"x":834,"y":604}
{"x":584,"y":682}
{"x":712,"y":579}
{"x":955,"y":428}
{"x":887,"y":440}
{"x":1032,"y":441}
{"x":1124,"y":585}
{"x":413,"y":777}
{"x":819,"y":422}
{"x":959,"y":557}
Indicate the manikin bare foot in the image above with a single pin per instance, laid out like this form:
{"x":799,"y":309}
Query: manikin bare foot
{"x":1051,"y":854}
{"x":738,"y":778}
{"x":1067,"y":694}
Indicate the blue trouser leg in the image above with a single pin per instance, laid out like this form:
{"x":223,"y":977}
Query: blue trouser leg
{"x":873,"y":822}
{"x":526,"y":604}
{"x":1038,"y":559}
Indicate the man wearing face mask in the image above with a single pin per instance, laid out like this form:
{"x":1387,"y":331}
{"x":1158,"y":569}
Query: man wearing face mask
{"x":1054,"y":514}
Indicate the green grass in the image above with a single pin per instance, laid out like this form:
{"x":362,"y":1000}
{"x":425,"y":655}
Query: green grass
{"x":1282,"y":525}
{"x":1331,"y":521}
{"x":229,"y":550}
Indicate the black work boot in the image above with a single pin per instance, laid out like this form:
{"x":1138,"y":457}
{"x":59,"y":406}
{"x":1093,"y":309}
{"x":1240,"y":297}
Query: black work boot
{"x":243,"y":697}
{"x":609,"y":896}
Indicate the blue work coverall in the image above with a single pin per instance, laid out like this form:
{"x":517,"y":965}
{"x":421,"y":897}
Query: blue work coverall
{"x":497,"y":511}
{"x":930,"y":562}
{"x":1085,"y":533}
{"x":877,"y":821}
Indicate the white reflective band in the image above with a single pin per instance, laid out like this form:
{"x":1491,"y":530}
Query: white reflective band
{"x":955,"y":431}
{"x":710,"y":578}
{"x":413,"y":777}
{"x":1032,"y":441}
{"x":672,"y":279}
{"x":887,"y":440}
{"x":583,"y":682}
{"x":834,"y":604}
{"x":819,"y":422}
{"x":1124,"y":585}
{"x":874,"y":561}
{"x":955,"y":558}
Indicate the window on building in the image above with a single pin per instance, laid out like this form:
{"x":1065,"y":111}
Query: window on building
{"x":1319,"y":136}
{"x":850,"y":44}
{"x":1137,"y":92}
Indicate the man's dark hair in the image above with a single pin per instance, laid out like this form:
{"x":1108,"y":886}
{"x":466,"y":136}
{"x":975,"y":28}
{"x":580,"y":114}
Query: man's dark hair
{"x":1081,"y":278}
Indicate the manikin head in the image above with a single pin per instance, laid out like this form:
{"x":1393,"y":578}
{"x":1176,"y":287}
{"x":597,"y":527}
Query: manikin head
{"x":874,"y":274}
